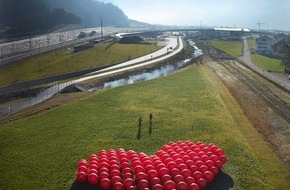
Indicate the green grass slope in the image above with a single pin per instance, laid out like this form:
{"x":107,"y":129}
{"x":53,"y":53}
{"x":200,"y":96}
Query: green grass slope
{"x":42,"y":151}
{"x":233,"y":48}
{"x":267,"y":63}
{"x":61,"y":61}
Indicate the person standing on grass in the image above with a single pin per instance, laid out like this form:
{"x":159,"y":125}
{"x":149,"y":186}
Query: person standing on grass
{"x":150,"y":123}
{"x":139,"y":128}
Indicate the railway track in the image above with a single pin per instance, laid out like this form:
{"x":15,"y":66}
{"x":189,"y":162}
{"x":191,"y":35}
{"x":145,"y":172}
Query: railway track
{"x":259,"y":86}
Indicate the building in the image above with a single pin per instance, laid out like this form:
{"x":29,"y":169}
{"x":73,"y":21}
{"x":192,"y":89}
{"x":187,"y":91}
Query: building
{"x":264,"y":45}
{"x":230,"y":33}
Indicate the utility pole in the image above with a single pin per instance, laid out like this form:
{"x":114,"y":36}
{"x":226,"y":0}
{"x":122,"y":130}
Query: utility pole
{"x":102,"y":34}
{"x":259,"y":24}
{"x":30,"y":46}
{"x":2,"y":56}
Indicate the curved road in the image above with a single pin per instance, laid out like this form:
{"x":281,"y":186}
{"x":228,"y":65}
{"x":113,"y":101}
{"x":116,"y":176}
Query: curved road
{"x":174,"y":43}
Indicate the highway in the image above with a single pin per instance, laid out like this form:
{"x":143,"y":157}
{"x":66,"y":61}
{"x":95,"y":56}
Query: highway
{"x":174,"y":44}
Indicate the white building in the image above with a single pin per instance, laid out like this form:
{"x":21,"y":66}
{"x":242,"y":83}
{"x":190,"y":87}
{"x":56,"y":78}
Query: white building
{"x":264,"y":45}
{"x":230,"y":32}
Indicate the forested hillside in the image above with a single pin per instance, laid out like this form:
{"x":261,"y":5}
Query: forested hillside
{"x":91,"y":11}
{"x":34,"y":16}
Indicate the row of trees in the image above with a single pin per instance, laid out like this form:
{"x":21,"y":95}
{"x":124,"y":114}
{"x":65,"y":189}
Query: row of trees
{"x":32,"y":15}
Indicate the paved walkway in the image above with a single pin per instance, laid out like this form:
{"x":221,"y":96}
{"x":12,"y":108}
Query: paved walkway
{"x":279,"y":79}
{"x":174,"y":43}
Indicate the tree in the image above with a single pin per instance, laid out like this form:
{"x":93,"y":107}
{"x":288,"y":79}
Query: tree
{"x":285,"y":55}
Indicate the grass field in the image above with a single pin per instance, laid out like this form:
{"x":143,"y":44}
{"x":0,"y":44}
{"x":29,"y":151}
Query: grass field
{"x":62,"y":61}
{"x":267,"y":64}
{"x":42,"y":151}
{"x":233,"y":48}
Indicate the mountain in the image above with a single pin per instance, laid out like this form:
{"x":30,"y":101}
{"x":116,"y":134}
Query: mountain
{"x":31,"y":16}
{"x":91,"y":12}
{"x":37,"y":16}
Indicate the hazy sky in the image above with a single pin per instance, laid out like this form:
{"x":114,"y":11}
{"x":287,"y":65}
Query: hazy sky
{"x":239,"y":13}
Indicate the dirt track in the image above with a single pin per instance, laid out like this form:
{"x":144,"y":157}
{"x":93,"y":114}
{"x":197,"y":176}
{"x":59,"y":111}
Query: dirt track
{"x":266,"y":105}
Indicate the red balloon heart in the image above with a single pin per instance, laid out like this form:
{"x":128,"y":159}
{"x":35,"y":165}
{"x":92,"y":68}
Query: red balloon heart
{"x":181,"y":165}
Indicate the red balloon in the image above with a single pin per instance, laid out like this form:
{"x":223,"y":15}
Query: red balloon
{"x":169,"y":185}
{"x":202,"y":183}
{"x":189,"y":180}
{"x":93,"y":171}
{"x":105,"y":183}
{"x":219,"y":152}
{"x":137,"y":163}
{"x":92,"y":162}
{"x":205,"y":158}
{"x":83,"y":168}
{"x":157,"y":187}
{"x":115,"y":167}
{"x":127,"y":170}
{"x":208,"y":176}
{"x":143,"y":184}
{"x":104,"y":165}
{"x":160,"y":166}
{"x":189,"y":163}
{"x":155,"y":181}
{"x":214,"y":170}
{"x":83,"y":162}
{"x":209,"y":163}
{"x":218,"y":164}
{"x":81,"y":177}
{"x":104,"y":170}
{"x":149,"y":167}
{"x":186,"y":173}
{"x":103,"y":175}
{"x":138,"y":169}
{"x":214,"y":158}
{"x":179,"y":161}
{"x":171,"y":165}
{"x":94,"y":167}
{"x":182,"y":166}
{"x":131,"y":188}
{"x":193,"y":168}
{"x":165,"y":178}
{"x":151,"y":174}
{"x":118,"y":186}
{"x":197,"y":175}
{"x":140,"y":176}
{"x":163,"y":171}
{"x":174,"y":172}
{"x":193,"y":186}
{"x":115,"y":173}
{"x":223,"y":159}
{"x":127,"y":175}
{"x":116,"y":179}
{"x":178,"y":178}
{"x":93,"y":178}
{"x":182,"y":186}
{"x":128,"y":182}
{"x":199,"y":163}
{"x":125,"y":165}
{"x":203,"y":168}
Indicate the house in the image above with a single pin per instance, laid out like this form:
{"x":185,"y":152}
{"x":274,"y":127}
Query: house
{"x":264,"y":45}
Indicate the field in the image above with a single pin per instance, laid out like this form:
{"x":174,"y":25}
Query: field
{"x":233,"y":48}
{"x":62,"y":61}
{"x":42,"y":151}
{"x":267,"y":63}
